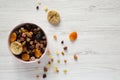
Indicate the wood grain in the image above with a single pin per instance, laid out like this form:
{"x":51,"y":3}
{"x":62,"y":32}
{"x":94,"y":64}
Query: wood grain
{"x":98,"y":48}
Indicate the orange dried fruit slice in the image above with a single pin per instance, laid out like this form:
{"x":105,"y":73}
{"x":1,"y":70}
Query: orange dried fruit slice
{"x":73,"y":36}
{"x":13,"y":37}
{"x":25,"y":57}
{"x":38,"y":53}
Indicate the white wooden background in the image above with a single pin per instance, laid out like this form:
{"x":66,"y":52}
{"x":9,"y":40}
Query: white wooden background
{"x":98,"y":45}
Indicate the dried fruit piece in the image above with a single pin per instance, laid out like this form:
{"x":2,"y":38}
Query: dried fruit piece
{"x":45,"y":69}
{"x":32,"y":58}
{"x":55,"y":69}
{"x":44,"y":75}
{"x":54,"y":37}
{"x":13,"y":37}
{"x":73,"y":36}
{"x":37,"y":76}
{"x":57,"y":53}
{"x":38,"y":53}
{"x":65,"y":48}
{"x":65,"y":71}
{"x":16,"y":48}
{"x":52,"y":59}
{"x":48,"y":52}
{"x":62,"y":53}
{"x":25,"y":57}
{"x":46,"y":8}
{"x":53,"y":17}
{"x":65,"y":61}
{"x":24,"y":49}
{"x":37,"y":7}
{"x":75,"y":57}
{"x":62,"y":42}
{"x":38,"y":62}
{"x":58,"y":61}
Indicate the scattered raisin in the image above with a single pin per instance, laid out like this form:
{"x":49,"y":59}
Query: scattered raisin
{"x":65,"y":48}
{"x":62,"y":53}
{"x":37,"y":7}
{"x":45,"y":69}
{"x":38,"y":62}
{"x":44,"y":75}
{"x":62,"y":42}
{"x":65,"y":61}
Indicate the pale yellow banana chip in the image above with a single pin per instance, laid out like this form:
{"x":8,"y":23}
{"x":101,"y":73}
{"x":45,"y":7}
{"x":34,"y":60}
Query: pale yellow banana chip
{"x":16,"y":48}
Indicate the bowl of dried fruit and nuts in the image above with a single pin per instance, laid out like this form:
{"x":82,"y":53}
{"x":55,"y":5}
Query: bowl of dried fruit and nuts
{"x":27,"y":42}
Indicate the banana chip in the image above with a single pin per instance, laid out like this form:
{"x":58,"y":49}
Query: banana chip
{"x":16,"y":48}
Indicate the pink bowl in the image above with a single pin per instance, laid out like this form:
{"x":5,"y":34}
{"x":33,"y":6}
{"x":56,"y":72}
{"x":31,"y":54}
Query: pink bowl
{"x":19,"y":26}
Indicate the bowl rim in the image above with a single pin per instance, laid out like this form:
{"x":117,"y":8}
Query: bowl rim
{"x":18,"y":26}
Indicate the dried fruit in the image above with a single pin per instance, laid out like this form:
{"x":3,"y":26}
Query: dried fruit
{"x":44,"y":75}
{"x":65,"y":48}
{"x":45,"y":69}
{"x":38,"y":53}
{"x":57,"y":53}
{"x":16,"y":48}
{"x":25,"y":57}
{"x":75,"y":57}
{"x":65,"y":71}
{"x":37,"y":76}
{"x":37,"y":7}
{"x":38,"y":62}
{"x":52,"y":59}
{"x":49,"y":62}
{"x":13,"y":37}
{"x":73,"y":36}
{"x":54,"y":37}
{"x":46,"y":8}
{"x":65,"y":61}
{"x":55,"y":69}
{"x":62,"y":53}
{"x":58,"y":61}
{"x":62,"y":42}
{"x":32,"y":58}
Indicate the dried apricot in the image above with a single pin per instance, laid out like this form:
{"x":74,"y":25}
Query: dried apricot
{"x":73,"y":36}
{"x":25,"y":57}
{"x":38,"y":53}
{"x":13,"y":37}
